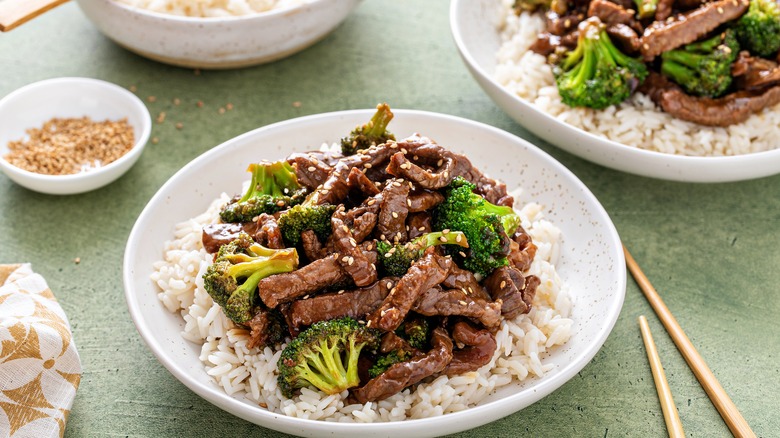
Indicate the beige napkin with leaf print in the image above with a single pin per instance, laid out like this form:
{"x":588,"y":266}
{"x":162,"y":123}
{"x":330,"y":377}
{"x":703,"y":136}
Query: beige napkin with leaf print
{"x":40,"y":368}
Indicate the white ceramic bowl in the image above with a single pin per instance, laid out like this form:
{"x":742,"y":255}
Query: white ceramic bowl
{"x":225,"y":42}
{"x":591,"y":259}
{"x":34,"y":104}
{"x":474,"y":25}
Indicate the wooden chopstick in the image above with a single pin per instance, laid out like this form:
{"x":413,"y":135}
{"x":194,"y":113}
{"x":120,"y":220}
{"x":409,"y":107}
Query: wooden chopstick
{"x":16,"y":12}
{"x":727,"y":409}
{"x":671,"y":416}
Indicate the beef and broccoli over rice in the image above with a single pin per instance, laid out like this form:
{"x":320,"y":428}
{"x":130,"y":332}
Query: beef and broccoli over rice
{"x":388,"y":280}
{"x":692,"y":77}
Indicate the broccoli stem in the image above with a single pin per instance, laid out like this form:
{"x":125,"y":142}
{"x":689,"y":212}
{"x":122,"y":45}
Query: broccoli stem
{"x":380,"y":120}
{"x":678,"y":72}
{"x":265,"y":266}
{"x":684,"y":57}
{"x":439,"y":238}
{"x":646,"y":8}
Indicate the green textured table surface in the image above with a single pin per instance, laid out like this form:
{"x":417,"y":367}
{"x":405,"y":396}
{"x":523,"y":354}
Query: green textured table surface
{"x":711,"y":250}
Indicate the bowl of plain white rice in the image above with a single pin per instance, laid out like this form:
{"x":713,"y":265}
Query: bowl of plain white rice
{"x":634,"y":137}
{"x":579,"y":260}
{"x":216,"y":33}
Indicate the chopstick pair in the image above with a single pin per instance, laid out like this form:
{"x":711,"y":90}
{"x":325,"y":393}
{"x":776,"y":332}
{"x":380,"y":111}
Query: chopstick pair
{"x":727,"y":409}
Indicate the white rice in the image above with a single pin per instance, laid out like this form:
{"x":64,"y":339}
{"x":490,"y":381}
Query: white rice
{"x":521,"y":343}
{"x":636,"y":122}
{"x":211,"y":8}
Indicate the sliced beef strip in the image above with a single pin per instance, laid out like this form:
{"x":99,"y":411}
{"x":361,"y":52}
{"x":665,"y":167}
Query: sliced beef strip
{"x":312,"y":246}
{"x":512,"y":290}
{"x":268,"y":234}
{"x":311,"y":171}
{"x":562,"y":24}
{"x":424,"y":200}
{"x":754,"y":73}
{"x":662,"y":36}
{"x":357,"y":180}
{"x":283,"y":288}
{"x":724,"y":111}
{"x":266,"y":328}
{"x":451,"y":302}
{"x":356,"y":304}
{"x":216,"y":235}
{"x":391,"y":223}
{"x":522,"y":250}
{"x":419,"y":224}
{"x":400,"y":166}
{"x":663,"y":9}
{"x":612,"y":13}
{"x":425,"y":273}
{"x":333,"y":191}
{"x":546,"y":43}
{"x":350,"y":257}
{"x":464,"y":280}
{"x":403,"y":374}
{"x":480,"y":346}
{"x":624,"y":38}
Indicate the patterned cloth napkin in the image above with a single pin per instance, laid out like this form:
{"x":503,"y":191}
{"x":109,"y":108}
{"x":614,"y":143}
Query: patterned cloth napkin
{"x":40,"y":369}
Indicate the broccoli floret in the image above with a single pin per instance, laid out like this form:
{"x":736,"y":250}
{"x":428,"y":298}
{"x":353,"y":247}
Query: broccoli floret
{"x":596,"y":74}
{"x":703,"y":68}
{"x":306,"y":216}
{"x":373,"y":132}
{"x":417,"y":332}
{"x":758,"y":30}
{"x":274,"y":187}
{"x":396,"y":259}
{"x":239,"y":265}
{"x":325,"y":356}
{"x":485,"y":225}
{"x":645,"y":8}
{"x":385,"y":361}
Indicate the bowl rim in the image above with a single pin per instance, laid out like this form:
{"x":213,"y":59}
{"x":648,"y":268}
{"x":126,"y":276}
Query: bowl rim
{"x":138,"y":145}
{"x":414,"y":427}
{"x":455,"y":8}
{"x":269,"y":14}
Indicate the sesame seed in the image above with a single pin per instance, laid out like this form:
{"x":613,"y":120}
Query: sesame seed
{"x":369,"y":247}
{"x":367,"y":165}
{"x":351,"y":261}
{"x":368,"y":324}
{"x":720,"y":10}
{"x":462,"y":303}
{"x":373,"y":266}
{"x":324,"y":191}
{"x":389,"y":284}
{"x":408,"y":202}
{"x":471,"y":290}
{"x":382,"y":237}
{"x":388,"y":254}
{"x":646,"y":46}
{"x":393,"y":145}
{"x":306,"y":297}
{"x":438,"y":163}
{"x":445,"y":231}
{"x":371,"y":201}
{"x":462,"y":254}
{"x":345,"y":259}
{"x":345,"y":228}
{"x":442,"y":239}
{"x":361,"y":322}
{"x":445,"y":174}
{"x":398,"y":236}
{"x":421,"y":229}
{"x":404,"y":151}
{"x":502,"y":285}
{"x":340,"y":292}
{"x":458,"y":238}
{"x":312,"y":168}
{"x":352,"y":241}
{"x":395,"y":215}
{"x":280,"y":203}
{"x":382,"y":313}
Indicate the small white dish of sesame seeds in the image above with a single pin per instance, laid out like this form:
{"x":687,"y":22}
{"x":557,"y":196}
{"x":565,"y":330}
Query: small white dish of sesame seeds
{"x":71,"y":135}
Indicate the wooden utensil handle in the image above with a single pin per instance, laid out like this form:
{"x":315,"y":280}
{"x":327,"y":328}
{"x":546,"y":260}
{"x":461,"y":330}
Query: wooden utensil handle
{"x":16,"y":12}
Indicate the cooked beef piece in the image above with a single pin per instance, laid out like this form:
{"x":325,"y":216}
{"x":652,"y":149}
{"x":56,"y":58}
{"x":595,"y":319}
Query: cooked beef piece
{"x":311,"y":171}
{"x":363,"y":225}
{"x":424,"y":200}
{"x":356,"y":304}
{"x":562,"y":24}
{"x":662,"y":36}
{"x":624,"y":38}
{"x":216,"y":235}
{"x":480,"y":346}
{"x":611,"y":13}
{"x":419,"y":224}
{"x":312,"y":246}
{"x":546,"y":43}
{"x":393,"y":342}
{"x":333,"y":191}
{"x":268,"y":234}
{"x":357,"y":180}
{"x":754,"y":73}
{"x":424,"y":274}
{"x":663,"y":9}
{"x":402,"y":167}
{"x":464,"y":280}
{"x":403,"y":374}
{"x":267,"y":327}
{"x":724,"y":111}
{"x":521,"y":250}
{"x":514,"y":292}
{"x":391,"y":224}
{"x":451,"y":302}
{"x":283,"y":288}
{"x":350,"y":257}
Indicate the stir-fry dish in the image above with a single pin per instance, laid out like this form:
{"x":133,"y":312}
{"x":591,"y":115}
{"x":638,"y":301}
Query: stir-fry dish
{"x":708,"y":62}
{"x":374,"y":268}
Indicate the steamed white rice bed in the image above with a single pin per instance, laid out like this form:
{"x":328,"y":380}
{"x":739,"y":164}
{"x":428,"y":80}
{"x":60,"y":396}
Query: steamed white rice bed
{"x":521,"y":344}
{"x":211,"y":8}
{"x":636,"y":122}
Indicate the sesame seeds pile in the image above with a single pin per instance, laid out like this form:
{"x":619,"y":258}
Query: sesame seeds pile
{"x":68,"y":146}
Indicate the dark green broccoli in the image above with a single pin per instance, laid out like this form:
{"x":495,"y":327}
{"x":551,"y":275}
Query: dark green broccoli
{"x":485,"y":225}
{"x":385,"y":361}
{"x":325,"y":356}
{"x":306,"y":216}
{"x":274,"y":187}
{"x":396,"y":259}
{"x":373,"y":132}
{"x":239,"y":265}
{"x":645,"y":8}
{"x":703,"y":68}
{"x":596,"y":74}
{"x":758,"y":30}
{"x":416,"y":331}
